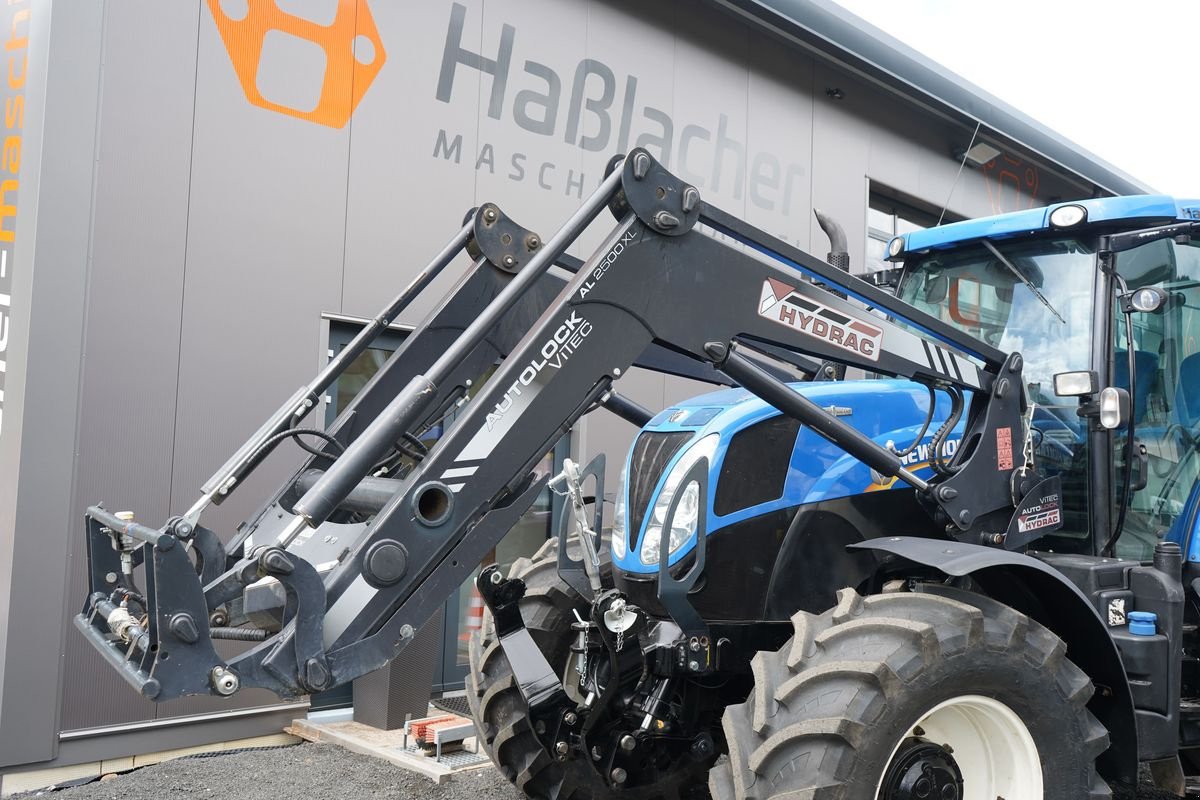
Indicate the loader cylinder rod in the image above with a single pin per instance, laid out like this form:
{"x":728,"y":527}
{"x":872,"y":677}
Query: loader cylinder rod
{"x":369,"y":496}
{"x":298,"y":406}
{"x":332,"y":488}
{"x":797,"y":406}
{"x":406,"y":409}
{"x":626,"y":409}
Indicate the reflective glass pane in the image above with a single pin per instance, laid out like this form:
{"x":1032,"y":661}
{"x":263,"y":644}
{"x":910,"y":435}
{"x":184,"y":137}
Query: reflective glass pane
{"x":1164,"y":385}
{"x":356,"y":376}
{"x":881,"y":221}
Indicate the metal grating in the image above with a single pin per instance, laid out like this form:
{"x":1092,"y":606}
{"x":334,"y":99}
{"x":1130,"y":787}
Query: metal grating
{"x":455,"y":705}
{"x":459,"y":759}
{"x":756,"y":464}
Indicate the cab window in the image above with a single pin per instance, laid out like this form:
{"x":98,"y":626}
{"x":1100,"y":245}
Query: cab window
{"x":1039,"y":303}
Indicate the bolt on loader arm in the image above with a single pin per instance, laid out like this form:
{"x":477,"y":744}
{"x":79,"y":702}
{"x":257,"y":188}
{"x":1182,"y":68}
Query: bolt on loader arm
{"x":676,"y":277}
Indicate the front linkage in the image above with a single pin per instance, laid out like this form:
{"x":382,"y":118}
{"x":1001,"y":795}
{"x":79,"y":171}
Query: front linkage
{"x":613,"y":710}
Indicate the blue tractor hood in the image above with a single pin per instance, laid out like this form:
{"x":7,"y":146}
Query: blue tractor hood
{"x":885,"y":410}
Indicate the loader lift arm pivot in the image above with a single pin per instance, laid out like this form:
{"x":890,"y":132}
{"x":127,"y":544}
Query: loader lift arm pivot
{"x":674,"y":274}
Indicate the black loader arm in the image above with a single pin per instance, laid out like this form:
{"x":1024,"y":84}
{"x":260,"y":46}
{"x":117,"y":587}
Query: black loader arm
{"x":675,"y":277}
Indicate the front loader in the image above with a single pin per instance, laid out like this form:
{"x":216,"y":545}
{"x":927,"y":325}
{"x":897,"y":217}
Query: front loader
{"x":819,"y":589}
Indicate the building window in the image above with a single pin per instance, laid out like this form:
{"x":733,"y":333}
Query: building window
{"x":888,"y":217}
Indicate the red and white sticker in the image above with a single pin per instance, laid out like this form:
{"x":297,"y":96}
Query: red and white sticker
{"x":1004,"y":454}
{"x":783,"y":304}
{"x":1045,"y":518}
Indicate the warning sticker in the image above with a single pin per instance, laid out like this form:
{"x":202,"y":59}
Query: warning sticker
{"x":1004,"y":454}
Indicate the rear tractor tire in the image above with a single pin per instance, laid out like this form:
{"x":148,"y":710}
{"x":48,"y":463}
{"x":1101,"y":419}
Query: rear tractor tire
{"x":501,"y":713}
{"x":941,"y":694}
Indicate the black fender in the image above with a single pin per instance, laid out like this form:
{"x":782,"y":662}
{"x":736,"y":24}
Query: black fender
{"x":1042,"y":593}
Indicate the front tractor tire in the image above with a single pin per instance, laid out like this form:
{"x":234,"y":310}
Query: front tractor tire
{"x":501,"y":713}
{"x":942,"y":694}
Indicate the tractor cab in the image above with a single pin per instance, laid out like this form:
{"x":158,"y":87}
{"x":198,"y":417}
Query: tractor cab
{"x":1105,"y":293}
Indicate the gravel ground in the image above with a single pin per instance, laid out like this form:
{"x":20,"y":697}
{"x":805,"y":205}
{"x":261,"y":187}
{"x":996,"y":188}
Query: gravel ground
{"x":311,"y":771}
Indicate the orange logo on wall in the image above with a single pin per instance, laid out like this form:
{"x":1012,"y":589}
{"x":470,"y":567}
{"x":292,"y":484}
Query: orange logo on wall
{"x":1012,"y":184}
{"x":353,"y":54}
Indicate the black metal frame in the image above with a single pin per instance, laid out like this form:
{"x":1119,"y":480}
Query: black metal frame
{"x":675,"y":274}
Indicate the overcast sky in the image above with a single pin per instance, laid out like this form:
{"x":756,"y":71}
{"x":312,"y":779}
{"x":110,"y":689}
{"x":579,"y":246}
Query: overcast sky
{"x":1120,"y":78}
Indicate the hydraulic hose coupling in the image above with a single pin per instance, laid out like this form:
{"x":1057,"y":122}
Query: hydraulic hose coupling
{"x":123,"y":624}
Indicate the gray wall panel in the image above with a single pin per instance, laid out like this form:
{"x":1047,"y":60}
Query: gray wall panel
{"x":841,"y":145}
{"x":555,"y":179}
{"x":49,"y":288}
{"x":779,"y":112}
{"x":405,"y":197}
{"x":129,"y":374}
{"x":264,"y":258}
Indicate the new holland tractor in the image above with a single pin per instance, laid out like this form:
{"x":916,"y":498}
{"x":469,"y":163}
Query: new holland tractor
{"x":966,"y":573}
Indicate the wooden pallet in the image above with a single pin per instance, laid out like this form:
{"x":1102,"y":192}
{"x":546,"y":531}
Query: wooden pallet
{"x":388,"y":745}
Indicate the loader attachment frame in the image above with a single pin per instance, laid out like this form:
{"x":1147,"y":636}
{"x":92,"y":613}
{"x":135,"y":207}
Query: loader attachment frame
{"x":676,"y":277}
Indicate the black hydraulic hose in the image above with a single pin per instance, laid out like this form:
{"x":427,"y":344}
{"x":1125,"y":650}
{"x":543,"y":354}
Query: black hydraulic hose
{"x":405,"y":450}
{"x":127,"y":594}
{"x":394,"y":458}
{"x":924,"y":428}
{"x":296,"y":433}
{"x":239,"y":634}
{"x":936,"y":458}
{"x":1127,"y":488}
{"x":417,"y":443}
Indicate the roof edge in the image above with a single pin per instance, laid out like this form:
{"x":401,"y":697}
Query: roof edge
{"x":840,"y":36}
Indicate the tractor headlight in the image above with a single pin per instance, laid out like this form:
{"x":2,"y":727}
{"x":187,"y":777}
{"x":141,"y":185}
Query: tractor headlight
{"x":617,"y":541}
{"x":1068,"y":216}
{"x":687,"y":513}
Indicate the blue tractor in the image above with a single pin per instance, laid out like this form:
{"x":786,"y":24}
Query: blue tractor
{"x":968,"y":571}
{"x":833,"y":574}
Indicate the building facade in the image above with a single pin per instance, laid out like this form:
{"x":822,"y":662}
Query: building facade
{"x":202,"y":199}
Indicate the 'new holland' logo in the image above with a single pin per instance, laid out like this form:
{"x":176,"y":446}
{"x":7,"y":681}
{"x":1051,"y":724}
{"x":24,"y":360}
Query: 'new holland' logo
{"x":783,"y":304}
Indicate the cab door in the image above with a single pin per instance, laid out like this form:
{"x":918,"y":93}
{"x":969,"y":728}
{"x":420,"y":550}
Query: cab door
{"x":1165,"y":400}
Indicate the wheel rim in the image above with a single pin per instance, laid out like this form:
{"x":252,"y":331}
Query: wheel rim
{"x":978,"y":736}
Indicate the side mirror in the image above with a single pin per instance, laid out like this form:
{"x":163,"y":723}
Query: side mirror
{"x":1076,"y":384}
{"x":886,"y":279}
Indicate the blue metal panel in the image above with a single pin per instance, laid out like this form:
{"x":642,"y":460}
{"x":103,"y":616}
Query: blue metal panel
{"x":1183,"y":531}
{"x":1142,"y":209}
